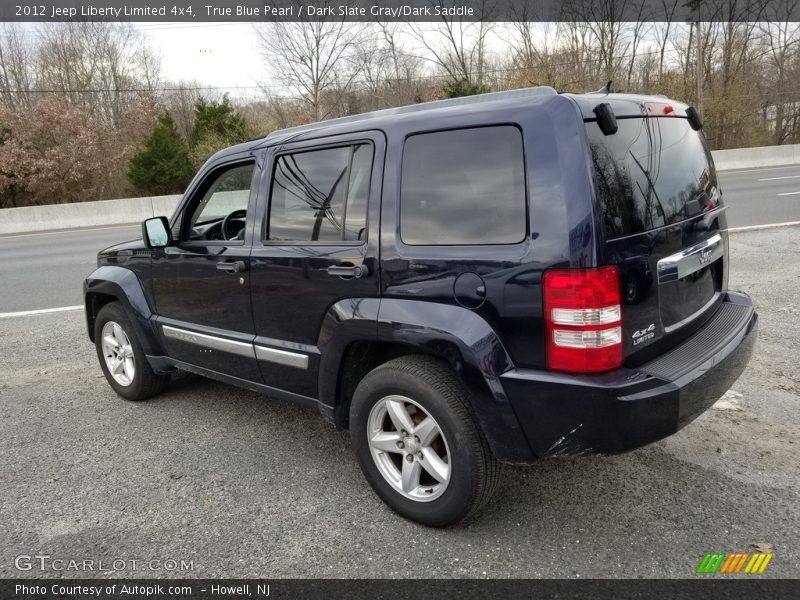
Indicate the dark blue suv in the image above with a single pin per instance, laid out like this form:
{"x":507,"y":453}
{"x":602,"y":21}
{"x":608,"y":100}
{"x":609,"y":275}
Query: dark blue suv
{"x":461,"y":283}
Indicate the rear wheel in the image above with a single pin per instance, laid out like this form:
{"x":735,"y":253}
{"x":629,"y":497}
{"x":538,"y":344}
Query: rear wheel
{"x":417,"y":443}
{"x":121,"y":356}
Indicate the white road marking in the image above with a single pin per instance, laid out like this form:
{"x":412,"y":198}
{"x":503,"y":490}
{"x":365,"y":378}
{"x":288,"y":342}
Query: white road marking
{"x":42,"y":311}
{"x":78,"y":230}
{"x":789,"y":194}
{"x":768,"y":226}
{"x":735,"y":171}
{"x":776,"y":178}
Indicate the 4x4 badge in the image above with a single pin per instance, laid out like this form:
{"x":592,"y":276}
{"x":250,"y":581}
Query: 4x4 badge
{"x":642,"y":335}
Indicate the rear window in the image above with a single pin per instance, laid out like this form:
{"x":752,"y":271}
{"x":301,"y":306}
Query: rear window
{"x":652,"y":172}
{"x":321,"y":195}
{"x":463,"y":187}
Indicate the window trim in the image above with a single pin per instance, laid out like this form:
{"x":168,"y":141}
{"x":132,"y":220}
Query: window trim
{"x":202,"y":187}
{"x":526,"y":194}
{"x":315,"y":148}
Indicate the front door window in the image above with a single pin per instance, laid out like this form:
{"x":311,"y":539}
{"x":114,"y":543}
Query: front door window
{"x":221,"y":211}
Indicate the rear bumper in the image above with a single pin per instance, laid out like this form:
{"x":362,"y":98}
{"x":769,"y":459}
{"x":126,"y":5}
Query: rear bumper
{"x":567,"y":415}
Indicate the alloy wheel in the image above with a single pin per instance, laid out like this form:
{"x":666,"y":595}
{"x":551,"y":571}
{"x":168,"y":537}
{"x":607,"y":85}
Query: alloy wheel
{"x":118,"y":353}
{"x":409,"y":448}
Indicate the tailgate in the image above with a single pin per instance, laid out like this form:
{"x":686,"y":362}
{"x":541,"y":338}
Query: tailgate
{"x":672,"y":280}
{"x":661,"y":207}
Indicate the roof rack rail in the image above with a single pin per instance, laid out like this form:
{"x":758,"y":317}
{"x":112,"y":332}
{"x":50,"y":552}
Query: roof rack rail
{"x":412,"y":108}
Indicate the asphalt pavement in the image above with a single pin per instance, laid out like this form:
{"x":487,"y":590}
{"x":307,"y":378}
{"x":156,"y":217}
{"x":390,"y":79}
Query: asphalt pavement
{"x":761,"y":196}
{"x":236,"y":484}
{"x":46,"y":270}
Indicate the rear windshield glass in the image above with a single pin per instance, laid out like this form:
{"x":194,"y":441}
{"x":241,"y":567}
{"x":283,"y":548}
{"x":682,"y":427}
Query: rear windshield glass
{"x":652,"y":172}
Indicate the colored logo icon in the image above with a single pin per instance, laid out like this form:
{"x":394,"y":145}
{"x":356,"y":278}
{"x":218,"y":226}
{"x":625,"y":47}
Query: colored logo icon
{"x":749,"y":563}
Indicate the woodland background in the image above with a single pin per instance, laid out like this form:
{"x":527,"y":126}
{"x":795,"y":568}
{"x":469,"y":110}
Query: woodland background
{"x":85,"y":113}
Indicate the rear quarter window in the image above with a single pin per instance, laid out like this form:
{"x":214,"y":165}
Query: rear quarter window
{"x":463,"y":187}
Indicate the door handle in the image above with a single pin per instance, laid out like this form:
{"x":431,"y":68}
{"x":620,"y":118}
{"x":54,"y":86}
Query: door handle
{"x":348,"y":271}
{"x":237,"y":266}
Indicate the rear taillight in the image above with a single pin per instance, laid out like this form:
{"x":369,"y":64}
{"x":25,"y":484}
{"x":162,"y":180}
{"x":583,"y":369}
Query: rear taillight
{"x":584,"y":320}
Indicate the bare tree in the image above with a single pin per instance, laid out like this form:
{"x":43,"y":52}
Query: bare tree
{"x":15,"y":67}
{"x":577,"y":57}
{"x":638,"y":30}
{"x":663,"y":32}
{"x":533,"y":46}
{"x":781,"y":37}
{"x":179,"y":101}
{"x":312,"y":58}
{"x":97,"y":66}
{"x":458,"y":47}
{"x":604,"y":19}
{"x":389,"y":74}
{"x":378,"y":63}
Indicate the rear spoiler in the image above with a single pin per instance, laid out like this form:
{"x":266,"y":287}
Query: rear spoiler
{"x":607,"y":120}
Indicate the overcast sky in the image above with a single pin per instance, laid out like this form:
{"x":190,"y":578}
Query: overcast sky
{"x":227,"y":55}
{"x":222,"y":55}
{"x":215,"y":54}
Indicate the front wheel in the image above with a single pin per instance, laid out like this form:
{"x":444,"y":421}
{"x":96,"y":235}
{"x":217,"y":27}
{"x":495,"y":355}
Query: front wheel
{"x":417,"y":443}
{"x":121,"y":356}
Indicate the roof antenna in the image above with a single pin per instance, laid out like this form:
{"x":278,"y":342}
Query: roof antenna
{"x":603,"y":90}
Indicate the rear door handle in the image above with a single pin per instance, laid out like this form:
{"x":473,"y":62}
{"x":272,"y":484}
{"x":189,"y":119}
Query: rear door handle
{"x":348,"y":271}
{"x":237,"y":266}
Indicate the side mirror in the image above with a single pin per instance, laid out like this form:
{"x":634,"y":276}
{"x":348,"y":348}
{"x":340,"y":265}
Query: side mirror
{"x":156,"y":232}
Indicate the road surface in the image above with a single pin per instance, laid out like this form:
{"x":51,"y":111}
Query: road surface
{"x":46,"y":270}
{"x":761,"y":196}
{"x":243,"y":485}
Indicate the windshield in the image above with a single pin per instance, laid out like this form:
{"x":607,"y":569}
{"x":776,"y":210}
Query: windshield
{"x":652,"y":172}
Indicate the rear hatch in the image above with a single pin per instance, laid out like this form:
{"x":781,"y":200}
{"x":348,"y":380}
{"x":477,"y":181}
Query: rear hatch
{"x":660,"y":205}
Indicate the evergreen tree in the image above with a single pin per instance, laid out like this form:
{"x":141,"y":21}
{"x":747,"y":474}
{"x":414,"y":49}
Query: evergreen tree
{"x":162,"y":165}
{"x":217,"y":125}
{"x":217,"y":121}
{"x":463,"y":87}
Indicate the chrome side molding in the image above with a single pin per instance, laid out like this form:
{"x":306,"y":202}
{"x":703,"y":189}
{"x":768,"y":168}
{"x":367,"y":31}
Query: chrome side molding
{"x":679,"y":265}
{"x":209,"y":341}
{"x":282,"y":357}
{"x":273,"y":355}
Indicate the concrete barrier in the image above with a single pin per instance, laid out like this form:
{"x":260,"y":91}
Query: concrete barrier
{"x":134,"y":210}
{"x":164,"y":205}
{"x":85,"y":214}
{"x":753,"y":158}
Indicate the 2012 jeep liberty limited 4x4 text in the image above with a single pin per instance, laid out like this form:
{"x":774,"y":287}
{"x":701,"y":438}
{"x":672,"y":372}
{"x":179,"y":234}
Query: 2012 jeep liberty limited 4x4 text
{"x":461,"y":283}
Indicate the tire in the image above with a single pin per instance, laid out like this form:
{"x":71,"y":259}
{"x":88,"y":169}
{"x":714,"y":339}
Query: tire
{"x":423,"y":387}
{"x":136,"y":380}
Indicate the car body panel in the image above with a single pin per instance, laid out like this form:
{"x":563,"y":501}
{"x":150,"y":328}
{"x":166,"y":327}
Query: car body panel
{"x":301,"y":323}
{"x":123,"y":285}
{"x":293,"y":294}
{"x":621,"y":410}
{"x":477,"y":355}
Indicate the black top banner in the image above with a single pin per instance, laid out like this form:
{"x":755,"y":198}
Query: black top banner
{"x":398,"y":10}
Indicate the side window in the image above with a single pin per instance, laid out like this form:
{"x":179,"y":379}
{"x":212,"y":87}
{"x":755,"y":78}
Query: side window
{"x":227,"y":195}
{"x":321,"y":195}
{"x":463,"y":187}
